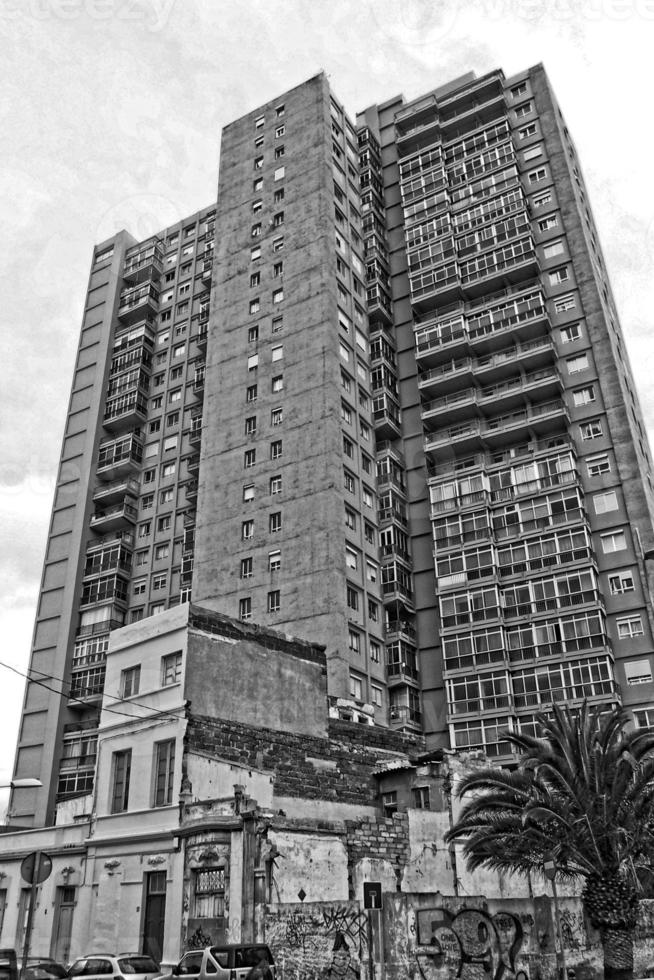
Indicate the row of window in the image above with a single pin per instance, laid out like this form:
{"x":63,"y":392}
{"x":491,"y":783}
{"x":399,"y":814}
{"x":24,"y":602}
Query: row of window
{"x":163,"y":776}
{"x":247,"y":564}
{"x":274,"y":486}
{"x":273,"y":604}
{"x":250,"y":455}
{"x":274,"y":526}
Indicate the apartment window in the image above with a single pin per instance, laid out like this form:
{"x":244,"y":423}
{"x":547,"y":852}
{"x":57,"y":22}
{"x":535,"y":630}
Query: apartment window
{"x":546,"y":224}
{"x":597,"y":465}
{"x":246,"y":568}
{"x":164,"y":771}
{"x":354,"y":641}
{"x":130,"y":679}
{"x":158,"y":582}
{"x":170,"y":442}
{"x":621,"y":582}
{"x":148,"y":476}
{"x":276,"y":416}
{"x":564,"y":303}
{"x":278,"y":244}
{"x":255,"y":280}
{"x":138,"y":588}
{"x":348,"y":482}
{"x":276,"y":449}
{"x":259,"y":121}
{"x":144,"y":529}
{"x":277,"y":383}
{"x":519,"y":90}
{"x":278,"y":219}
{"x":532,"y":153}
{"x":279,"y":110}
{"x":248,"y":493}
{"x":278,"y":295}
{"x":605,"y":502}
{"x":278,"y":195}
{"x":275,"y":484}
{"x":376,"y":695}
{"x":142,"y":558}
{"x":249,"y":458}
{"x":629,"y":627}
{"x":253,"y":362}
{"x":356,"y":688}
{"x":257,"y":184}
{"x":373,"y":611}
{"x":121,"y":766}
{"x":524,"y":109}
{"x":348,"y":447}
{"x":171,"y":669}
{"x":277,"y":324}
{"x":256,"y":230}
{"x":147,"y":501}
{"x":352,"y":598}
{"x":257,"y":206}
{"x":583,"y":396}
{"x":255,"y":306}
{"x":346,"y":413}
{"x":577,"y":364}
{"x":247,"y":530}
{"x":172,"y":419}
{"x":258,"y":163}
{"x":179,"y":350}
{"x":255,"y":253}
{"x":274,"y":561}
{"x":245,"y":608}
{"x":369,"y":533}
{"x":164,"y":523}
{"x":559,"y":275}
{"x":350,"y":519}
{"x":164,"y":317}
{"x":274,"y":601}
{"x":154,"y":426}
{"x":280,"y":130}
{"x":527,"y":131}
{"x":367,"y":496}
{"x":251,"y":393}
{"x":570,"y":333}
{"x":166,"y":496}
{"x":277,"y":353}
{"x":279,"y":173}
{"x":279,"y":152}
{"x":278,"y":269}
{"x":639,"y":672}
{"x":375,"y":651}
{"x":162,"y":551}
{"x":553,"y":249}
{"x":351,"y":557}
{"x":250,"y":425}
{"x":613,"y":541}
{"x":275,"y":522}
{"x":421,"y":798}
{"x":364,"y":429}
{"x":535,"y":176}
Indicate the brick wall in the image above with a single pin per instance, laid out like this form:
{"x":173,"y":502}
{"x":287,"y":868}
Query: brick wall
{"x":379,"y":838}
{"x":344,"y":762}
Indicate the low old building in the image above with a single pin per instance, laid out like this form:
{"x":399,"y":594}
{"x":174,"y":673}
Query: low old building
{"x":234,"y":801}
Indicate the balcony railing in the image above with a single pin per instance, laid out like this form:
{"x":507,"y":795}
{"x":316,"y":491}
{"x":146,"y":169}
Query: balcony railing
{"x":120,"y":456}
{"x":112,"y":518}
{"x":136,"y":302}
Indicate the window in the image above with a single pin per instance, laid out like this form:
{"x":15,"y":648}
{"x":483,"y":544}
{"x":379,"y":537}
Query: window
{"x":546,"y":224}
{"x":369,"y":533}
{"x":354,"y":641}
{"x":280,"y":130}
{"x":279,"y":173}
{"x":130,"y":679}
{"x":275,"y":522}
{"x":171,"y":669}
{"x":352,"y":598}
{"x":255,"y":280}
{"x":605,"y":502}
{"x":255,"y":253}
{"x":351,"y":557}
{"x":142,"y":558}
{"x":638,"y":672}
{"x":255,"y":306}
{"x":348,"y":482}
{"x":519,"y":90}
{"x":591,"y":430}
{"x":172,"y":419}
{"x":350,"y":519}
{"x":523,"y":110}
{"x":156,"y":402}
{"x":278,"y":195}
{"x":256,"y":230}
{"x":275,"y":484}
{"x":164,"y":772}
{"x":278,"y":244}
{"x":166,"y":496}
{"x":278,"y":269}
{"x":248,"y":493}
{"x":366,"y":493}
{"x":250,"y":425}
{"x":251,"y":393}
{"x":570,"y":333}
{"x":527,"y":131}
{"x":356,"y":688}
{"x":583,"y":396}
{"x":564,"y":303}
{"x":535,"y":176}
{"x":376,"y":695}
{"x":245,"y":608}
{"x":577,"y":364}
{"x":276,"y":449}
{"x":597,"y":465}
{"x":170,"y":442}
{"x":553,"y":249}
{"x":156,"y":608}
{"x":375,"y":651}
{"x":279,"y":152}
{"x":148,"y":476}
{"x":277,"y":383}
{"x":249,"y":458}
{"x":278,"y":219}
{"x":532,"y":153}
{"x":164,"y":523}
{"x":154,"y":426}
{"x":559,"y":275}
{"x":257,"y":184}
{"x":144,"y":529}
{"x":364,"y":429}
{"x":138,"y":587}
{"x":613,"y":541}
{"x":277,"y":353}
{"x":274,"y":601}
{"x":158,"y":582}
{"x":258,"y":163}
{"x":421,"y":797}
{"x":274,"y":561}
{"x":253,"y":362}
{"x":162,"y":551}
{"x":121,"y":766}
{"x":277,"y":324}
{"x":629,"y":627}
{"x":346,"y":413}
{"x":373,"y":611}
{"x":348,"y":447}
{"x":621,"y":582}
{"x":259,"y":122}
{"x":246,"y":567}
{"x":278,"y":295}
{"x":247,"y":530}
{"x":147,"y":501}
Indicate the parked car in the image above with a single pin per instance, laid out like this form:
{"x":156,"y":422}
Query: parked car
{"x":231,"y":961}
{"x":44,"y":968}
{"x":8,"y":964}
{"x":101,"y":966}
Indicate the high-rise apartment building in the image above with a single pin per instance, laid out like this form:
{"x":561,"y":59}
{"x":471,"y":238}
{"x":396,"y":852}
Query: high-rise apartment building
{"x":421,"y":444}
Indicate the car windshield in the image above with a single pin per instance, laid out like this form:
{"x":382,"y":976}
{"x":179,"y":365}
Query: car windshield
{"x":137,"y":964}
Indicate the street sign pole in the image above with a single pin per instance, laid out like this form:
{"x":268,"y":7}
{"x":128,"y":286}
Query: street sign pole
{"x":372,"y":903}
{"x":35,"y":869}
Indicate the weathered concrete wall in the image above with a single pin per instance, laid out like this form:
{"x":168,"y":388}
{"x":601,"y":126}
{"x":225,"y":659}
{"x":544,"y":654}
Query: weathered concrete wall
{"x":319,"y":940}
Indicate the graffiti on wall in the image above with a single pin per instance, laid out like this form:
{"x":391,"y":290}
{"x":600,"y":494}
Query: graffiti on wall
{"x":327,"y":941}
{"x":470,"y":944}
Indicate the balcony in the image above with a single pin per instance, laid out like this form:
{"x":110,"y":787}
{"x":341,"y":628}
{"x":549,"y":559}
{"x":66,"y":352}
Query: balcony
{"x":193,"y":463}
{"x":440,"y":338}
{"x":198,"y":382}
{"x":503,"y":429}
{"x":114,"y":518}
{"x":510,"y":264}
{"x":125,"y":411}
{"x":523,"y":318}
{"x":143,"y":262}
{"x":109,"y":493}
{"x":201,"y":336}
{"x":110,"y":556}
{"x":402,"y":714}
{"x":402,"y":673}
{"x":109,"y":588}
{"x":137,"y":302}
{"x":386,"y":417}
{"x":195,"y":433}
{"x":547,"y":563}
{"x":476,"y":706}
{"x":187,"y":569}
{"x":380,"y":309}
{"x":120,"y":457}
{"x":552,"y":604}
{"x":191,"y":490}
{"x":87,"y":687}
{"x":207,"y":268}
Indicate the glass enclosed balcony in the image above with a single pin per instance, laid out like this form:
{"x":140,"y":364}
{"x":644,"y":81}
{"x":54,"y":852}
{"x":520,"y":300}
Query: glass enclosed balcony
{"x":120,"y":457}
{"x":143,"y":262}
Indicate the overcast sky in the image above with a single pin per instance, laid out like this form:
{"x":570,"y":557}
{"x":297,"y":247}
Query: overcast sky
{"x":111,"y":118}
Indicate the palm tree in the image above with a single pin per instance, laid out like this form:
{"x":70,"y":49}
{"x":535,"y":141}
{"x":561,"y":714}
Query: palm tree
{"x":583,"y":794}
